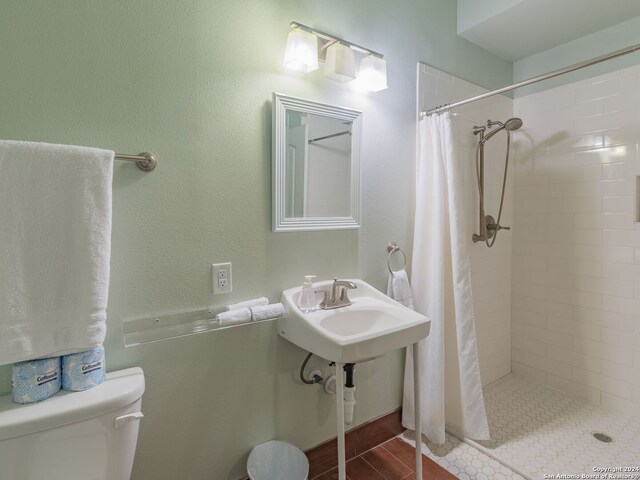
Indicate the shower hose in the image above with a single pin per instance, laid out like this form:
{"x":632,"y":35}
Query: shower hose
{"x":481,"y":187}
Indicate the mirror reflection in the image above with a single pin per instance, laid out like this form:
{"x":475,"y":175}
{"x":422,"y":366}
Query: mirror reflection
{"x":318,"y":166}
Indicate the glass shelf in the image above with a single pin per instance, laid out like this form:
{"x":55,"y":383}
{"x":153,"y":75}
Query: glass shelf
{"x":148,"y":329}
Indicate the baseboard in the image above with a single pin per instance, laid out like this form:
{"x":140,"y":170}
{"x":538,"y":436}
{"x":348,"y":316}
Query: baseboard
{"x":358,"y":440}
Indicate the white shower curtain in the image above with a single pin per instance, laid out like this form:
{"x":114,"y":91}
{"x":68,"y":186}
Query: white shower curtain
{"x":441,"y":286}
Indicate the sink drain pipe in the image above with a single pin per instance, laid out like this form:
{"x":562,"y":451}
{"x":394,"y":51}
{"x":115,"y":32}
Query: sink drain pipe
{"x":349,"y":394}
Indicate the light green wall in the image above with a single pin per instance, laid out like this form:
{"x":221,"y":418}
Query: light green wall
{"x":604,"y":41}
{"x":472,"y":12}
{"x":191,"y":81}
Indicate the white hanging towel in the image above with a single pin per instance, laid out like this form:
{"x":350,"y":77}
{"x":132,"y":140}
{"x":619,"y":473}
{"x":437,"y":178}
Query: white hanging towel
{"x":441,"y":285}
{"x":55,"y":247}
{"x":399,"y":289}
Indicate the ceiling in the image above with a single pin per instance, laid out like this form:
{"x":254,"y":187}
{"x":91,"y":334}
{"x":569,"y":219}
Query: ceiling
{"x":516,"y":29}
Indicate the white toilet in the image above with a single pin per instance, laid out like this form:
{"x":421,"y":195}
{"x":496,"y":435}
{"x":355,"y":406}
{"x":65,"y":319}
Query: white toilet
{"x":88,"y":435}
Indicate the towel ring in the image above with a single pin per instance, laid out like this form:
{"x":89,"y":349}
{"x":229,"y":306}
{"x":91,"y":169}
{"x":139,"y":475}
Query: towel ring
{"x":393,"y":247}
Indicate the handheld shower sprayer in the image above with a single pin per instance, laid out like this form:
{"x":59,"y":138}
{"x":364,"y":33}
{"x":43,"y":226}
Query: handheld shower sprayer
{"x":488,"y":225}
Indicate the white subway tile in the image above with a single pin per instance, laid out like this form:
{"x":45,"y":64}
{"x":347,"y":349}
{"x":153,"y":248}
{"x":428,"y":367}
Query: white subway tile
{"x":575,"y":359}
{"x":547,"y":365}
{"x":590,"y":124}
{"x":532,"y":374}
{"x":586,"y":204}
{"x":602,"y":350}
{"x":604,"y":155}
{"x":626,"y":340}
{"x":601,"y":382}
{"x":588,"y":189}
{"x":622,"y":404}
{"x":621,"y":238}
{"x":517,"y":327}
{"x":621,"y":271}
{"x":618,"y":221}
{"x":626,"y":306}
{"x":617,"y":187}
{"x":619,"y":288}
{"x":561,"y":295}
{"x":606,"y":254}
{"x":529,"y":345}
{"x":522,"y":317}
{"x":517,"y":355}
{"x":618,"y":204}
{"x":549,"y":337}
{"x":617,"y":321}
{"x":579,"y":390}
{"x":572,"y":327}
{"x":624,"y":373}
{"x":601,"y":89}
{"x":587,"y":220}
{"x":529,"y":262}
{"x":620,"y":170}
{"x":589,"y":108}
{"x":530,"y":289}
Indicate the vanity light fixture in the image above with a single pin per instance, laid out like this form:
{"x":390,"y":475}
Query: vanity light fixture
{"x":301,"y":53}
{"x":340,"y":63}
{"x":306,"y":45}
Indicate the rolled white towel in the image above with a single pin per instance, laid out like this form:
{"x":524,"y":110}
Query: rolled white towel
{"x":254,"y":302}
{"x":264,"y":312}
{"x":234,"y":317}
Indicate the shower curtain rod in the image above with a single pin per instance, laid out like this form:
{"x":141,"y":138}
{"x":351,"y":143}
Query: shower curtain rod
{"x":539,"y":78}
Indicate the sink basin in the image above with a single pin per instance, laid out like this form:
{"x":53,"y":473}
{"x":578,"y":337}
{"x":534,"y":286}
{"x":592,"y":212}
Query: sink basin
{"x":371,"y":326}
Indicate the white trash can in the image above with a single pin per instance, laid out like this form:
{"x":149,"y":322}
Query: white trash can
{"x":275,"y":460}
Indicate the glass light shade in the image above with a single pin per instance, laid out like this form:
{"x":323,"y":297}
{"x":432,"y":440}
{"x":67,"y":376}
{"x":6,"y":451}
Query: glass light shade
{"x":301,"y":53}
{"x":373,"y":73}
{"x":340,"y":64}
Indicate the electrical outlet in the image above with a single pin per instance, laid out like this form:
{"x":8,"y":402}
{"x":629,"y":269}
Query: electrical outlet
{"x":221,"y":276}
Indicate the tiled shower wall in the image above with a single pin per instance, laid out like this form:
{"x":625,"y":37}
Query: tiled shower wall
{"x":491,"y":267}
{"x":576,"y":246}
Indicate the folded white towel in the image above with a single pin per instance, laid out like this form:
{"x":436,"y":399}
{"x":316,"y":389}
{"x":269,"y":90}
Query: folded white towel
{"x":55,"y":246}
{"x":234,"y":317}
{"x":274,"y":310}
{"x":255,"y":302}
{"x":399,"y":289}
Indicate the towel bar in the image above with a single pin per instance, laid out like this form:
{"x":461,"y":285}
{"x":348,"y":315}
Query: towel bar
{"x":145,"y":160}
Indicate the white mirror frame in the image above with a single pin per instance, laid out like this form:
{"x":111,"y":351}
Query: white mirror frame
{"x":281,"y":223}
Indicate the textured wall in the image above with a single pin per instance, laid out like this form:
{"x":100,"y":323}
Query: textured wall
{"x":490,"y":267}
{"x":191,"y":81}
{"x":576,"y":246}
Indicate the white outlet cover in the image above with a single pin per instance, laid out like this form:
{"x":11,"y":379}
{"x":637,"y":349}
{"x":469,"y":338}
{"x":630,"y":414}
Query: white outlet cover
{"x":221,"y":278}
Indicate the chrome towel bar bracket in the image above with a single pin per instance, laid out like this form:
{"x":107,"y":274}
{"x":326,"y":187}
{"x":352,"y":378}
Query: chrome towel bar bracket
{"x":145,"y":160}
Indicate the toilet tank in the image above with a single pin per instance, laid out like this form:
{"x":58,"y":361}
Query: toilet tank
{"x":89,"y":435}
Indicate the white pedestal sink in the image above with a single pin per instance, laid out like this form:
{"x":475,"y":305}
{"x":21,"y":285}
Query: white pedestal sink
{"x":371,"y":326}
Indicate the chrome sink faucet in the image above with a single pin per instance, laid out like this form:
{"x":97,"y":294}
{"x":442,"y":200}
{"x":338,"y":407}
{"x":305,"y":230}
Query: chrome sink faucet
{"x":339,"y":297}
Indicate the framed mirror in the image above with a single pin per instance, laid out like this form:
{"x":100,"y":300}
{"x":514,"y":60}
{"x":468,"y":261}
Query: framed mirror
{"x":315,"y":165}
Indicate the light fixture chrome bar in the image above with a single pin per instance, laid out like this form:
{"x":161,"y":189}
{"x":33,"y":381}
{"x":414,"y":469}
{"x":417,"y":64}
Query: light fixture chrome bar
{"x":339,"y":134}
{"x":331,"y":38}
{"x":145,"y":160}
{"x":539,"y":78}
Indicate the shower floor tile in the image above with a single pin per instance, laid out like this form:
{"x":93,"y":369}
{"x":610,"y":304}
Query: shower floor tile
{"x":539,"y":430}
{"x":462,"y":460}
{"x":540,"y":433}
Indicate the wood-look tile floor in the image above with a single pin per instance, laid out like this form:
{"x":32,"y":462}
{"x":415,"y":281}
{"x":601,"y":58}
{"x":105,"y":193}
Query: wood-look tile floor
{"x":392,"y":460}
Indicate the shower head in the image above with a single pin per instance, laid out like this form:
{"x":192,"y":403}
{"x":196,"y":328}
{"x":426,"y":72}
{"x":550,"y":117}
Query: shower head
{"x":510,"y":125}
{"x":513,"y":124}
